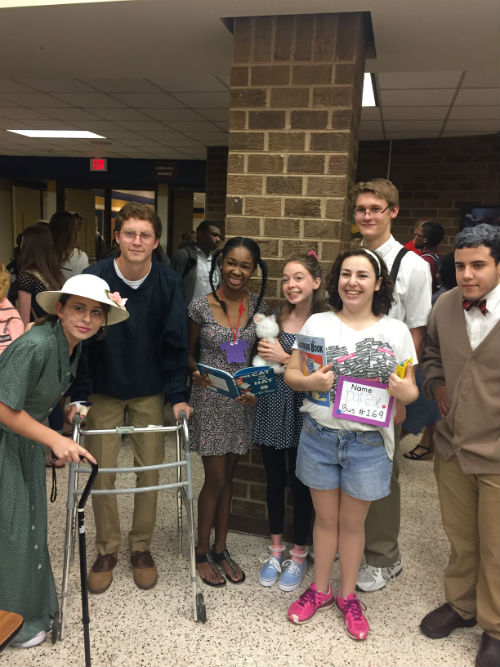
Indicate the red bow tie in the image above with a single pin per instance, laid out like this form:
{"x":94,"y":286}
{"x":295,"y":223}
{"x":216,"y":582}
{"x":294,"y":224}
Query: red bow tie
{"x":468,"y":304}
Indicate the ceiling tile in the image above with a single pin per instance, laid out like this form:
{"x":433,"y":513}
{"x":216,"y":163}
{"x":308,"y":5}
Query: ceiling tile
{"x":86,"y":100}
{"x":478,"y":96}
{"x":68,"y":113}
{"x":23,"y":113}
{"x":217,"y":115}
{"x":417,"y":125}
{"x":181,"y":114}
{"x":407,"y":98}
{"x":476,"y":125}
{"x":182,"y":82}
{"x":200,"y":126}
{"x":204,"y":100}
{"x":11,"y":86}
{"x":139,"y":125}
{"x":472,"y":113}
{"x":481,"y":78}
{"x":36,"y":100}
{"x":400,"y":80}
{"x":131,"y":85}
{"x":152,"y":100}
{"x":57,"y":85}
{"x":410,"y":113}
{"x":123,"y":113}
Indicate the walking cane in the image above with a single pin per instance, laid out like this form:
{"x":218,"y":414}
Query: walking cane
{"x":83,"y":561}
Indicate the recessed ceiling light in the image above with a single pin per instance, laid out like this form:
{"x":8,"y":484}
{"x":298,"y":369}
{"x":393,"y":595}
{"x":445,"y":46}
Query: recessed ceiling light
{"x":4,"y":4}
{"x":58,"y":134}
{"x":369,"y":99}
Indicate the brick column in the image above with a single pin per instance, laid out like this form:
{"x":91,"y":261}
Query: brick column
{"x":296,"y":88}
{"x":215,"y":185}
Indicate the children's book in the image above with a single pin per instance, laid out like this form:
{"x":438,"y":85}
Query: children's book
{"x":255,"y":380}
{"x":312,"y":357}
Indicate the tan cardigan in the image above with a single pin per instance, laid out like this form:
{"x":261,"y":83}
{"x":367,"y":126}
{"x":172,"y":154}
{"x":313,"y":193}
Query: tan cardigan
{"x":471,"y":430}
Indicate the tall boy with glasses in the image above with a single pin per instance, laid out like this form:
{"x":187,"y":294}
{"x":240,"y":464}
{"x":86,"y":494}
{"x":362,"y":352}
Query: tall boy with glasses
{"x":376,"y":206}
{"x":136,"y":368}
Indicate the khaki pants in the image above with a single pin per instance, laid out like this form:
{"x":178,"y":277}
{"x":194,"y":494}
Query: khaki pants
{"x":383,"y":519}
{"x":470,"y":507}
{"x":148,"y":449}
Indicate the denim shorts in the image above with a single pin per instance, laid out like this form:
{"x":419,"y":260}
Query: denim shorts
{"x":355,"y":461}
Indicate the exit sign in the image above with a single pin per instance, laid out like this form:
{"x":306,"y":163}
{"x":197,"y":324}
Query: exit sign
{"x":98,"y":164}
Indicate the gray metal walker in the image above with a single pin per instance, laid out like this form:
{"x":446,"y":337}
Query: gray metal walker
{"x":184,"y":488}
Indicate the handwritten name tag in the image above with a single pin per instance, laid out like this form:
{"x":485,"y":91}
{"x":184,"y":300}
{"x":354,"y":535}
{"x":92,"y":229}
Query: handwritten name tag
{"x":365,"y":401}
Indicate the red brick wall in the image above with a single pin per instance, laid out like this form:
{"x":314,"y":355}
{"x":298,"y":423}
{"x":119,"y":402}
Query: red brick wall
{"x":435,"y":178}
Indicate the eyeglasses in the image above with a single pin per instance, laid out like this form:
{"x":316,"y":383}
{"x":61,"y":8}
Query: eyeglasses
{"x":130,"y":235}
{"x":95,"y":313}
{"x":374,"y":210}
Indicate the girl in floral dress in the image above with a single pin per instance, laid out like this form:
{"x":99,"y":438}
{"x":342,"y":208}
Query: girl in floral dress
{"x":222,"y":329}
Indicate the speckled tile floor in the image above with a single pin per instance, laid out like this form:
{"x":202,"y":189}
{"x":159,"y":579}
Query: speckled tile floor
{"x":247,"y":624}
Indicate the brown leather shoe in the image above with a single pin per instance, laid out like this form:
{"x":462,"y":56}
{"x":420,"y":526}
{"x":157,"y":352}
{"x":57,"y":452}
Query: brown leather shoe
{"x":442,"y":621}
{"x":101,"y":574}
{"x":489,"y":652}
{"x":145,"y":574}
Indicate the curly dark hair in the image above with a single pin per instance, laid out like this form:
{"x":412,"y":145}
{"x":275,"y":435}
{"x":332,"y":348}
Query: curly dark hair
{"x":254,"y":250}
{"x":382,"y":298}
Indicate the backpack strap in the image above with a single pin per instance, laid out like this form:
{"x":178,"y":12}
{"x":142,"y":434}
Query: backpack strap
{"x":397,"y":263}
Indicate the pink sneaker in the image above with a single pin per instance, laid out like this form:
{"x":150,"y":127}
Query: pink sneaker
{"x":303,"y":609}
{"x":355,"y":623}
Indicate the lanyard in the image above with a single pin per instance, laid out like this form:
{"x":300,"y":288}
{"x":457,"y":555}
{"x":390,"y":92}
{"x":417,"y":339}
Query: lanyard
{"x":241,"y":309}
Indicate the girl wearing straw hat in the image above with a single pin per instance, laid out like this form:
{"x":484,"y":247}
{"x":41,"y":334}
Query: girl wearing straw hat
{"x":35,"y":371}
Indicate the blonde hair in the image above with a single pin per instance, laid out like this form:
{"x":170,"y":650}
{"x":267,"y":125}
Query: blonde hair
{"x":381,"y":188}
{"x":4,"y":281}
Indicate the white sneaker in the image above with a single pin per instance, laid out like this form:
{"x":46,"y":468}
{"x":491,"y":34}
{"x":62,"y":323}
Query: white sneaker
{"x":34,"y":641}
{"x":374,"y":578}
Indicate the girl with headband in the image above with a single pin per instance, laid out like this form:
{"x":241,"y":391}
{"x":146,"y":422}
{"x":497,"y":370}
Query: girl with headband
{"x":346,"y":458}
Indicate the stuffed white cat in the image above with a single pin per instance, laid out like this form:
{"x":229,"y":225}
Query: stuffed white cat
{"x":267,"y":327}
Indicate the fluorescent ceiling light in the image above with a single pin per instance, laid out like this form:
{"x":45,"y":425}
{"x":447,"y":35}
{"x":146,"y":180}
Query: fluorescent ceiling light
{"x":58,"y":134}
{"x":6,"y":4}
{"x":368,"y":91}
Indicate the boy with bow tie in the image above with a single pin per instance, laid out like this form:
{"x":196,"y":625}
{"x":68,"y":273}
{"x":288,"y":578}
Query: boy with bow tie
{"x":462,"y":369}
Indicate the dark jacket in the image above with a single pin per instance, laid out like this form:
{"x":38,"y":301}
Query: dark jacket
{"x":147,"y":353}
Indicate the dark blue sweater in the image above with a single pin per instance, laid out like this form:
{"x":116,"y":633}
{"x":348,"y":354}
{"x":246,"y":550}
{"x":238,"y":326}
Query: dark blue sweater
{"x":147,"y":353}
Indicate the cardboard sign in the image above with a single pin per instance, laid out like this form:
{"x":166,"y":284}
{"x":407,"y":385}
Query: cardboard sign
{"x":365,"y":401}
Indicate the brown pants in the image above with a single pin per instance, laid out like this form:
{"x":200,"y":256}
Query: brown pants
{"x":470,"y":507}
{"x":383,"y":519}
{"x":148,"y":448}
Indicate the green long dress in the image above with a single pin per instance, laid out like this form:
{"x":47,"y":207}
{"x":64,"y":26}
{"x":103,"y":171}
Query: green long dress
{"x":35,"y":371}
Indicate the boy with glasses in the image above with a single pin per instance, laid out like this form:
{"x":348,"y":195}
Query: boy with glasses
{"x":137,"y":366}
{"x":376,"y":206}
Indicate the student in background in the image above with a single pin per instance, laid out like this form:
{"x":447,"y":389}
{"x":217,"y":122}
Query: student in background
{"x":347,"y":464}
{"x":222,"y":329}
{"x":278,"y":422}
{"x":11,"y":324}
{"x":38,"y":271}
{"x":65,"y":228}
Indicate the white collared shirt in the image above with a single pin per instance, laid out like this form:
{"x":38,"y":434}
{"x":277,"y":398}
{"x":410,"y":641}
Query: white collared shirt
{"x":413,"y":289}
{"x":479,"y":325}
{"x":203,"y":265}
